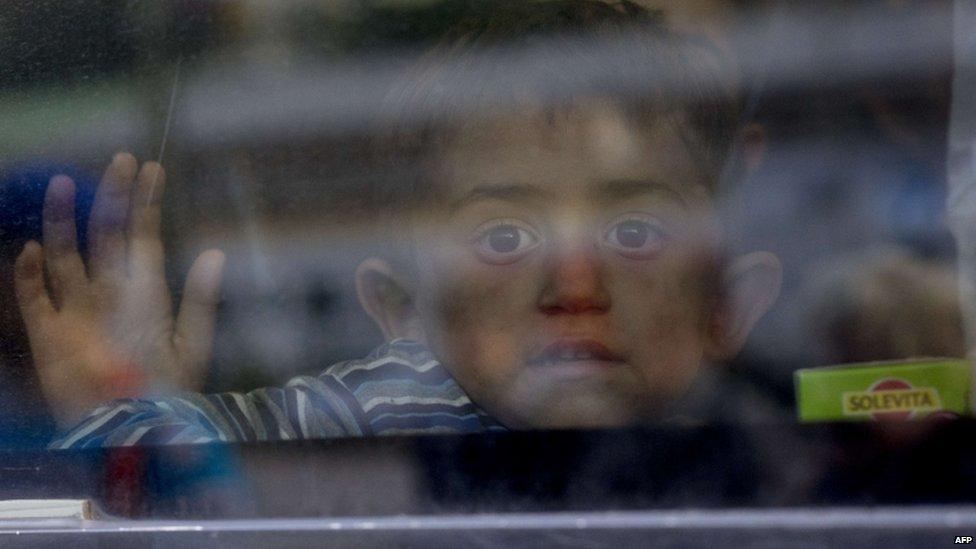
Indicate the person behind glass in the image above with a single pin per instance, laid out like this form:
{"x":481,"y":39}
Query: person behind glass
{"x":884,"y":303}
{"x":553,"y":262}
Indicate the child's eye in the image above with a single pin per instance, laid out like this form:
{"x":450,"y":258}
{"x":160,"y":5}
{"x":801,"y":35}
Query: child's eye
{"x":504,"y":241}
{"x":637,"y":236}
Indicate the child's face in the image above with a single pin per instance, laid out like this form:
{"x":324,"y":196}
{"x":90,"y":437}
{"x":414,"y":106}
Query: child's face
{"x":563,"y":282}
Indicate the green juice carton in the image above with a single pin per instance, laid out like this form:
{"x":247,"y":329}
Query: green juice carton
{"x":898,"y":391}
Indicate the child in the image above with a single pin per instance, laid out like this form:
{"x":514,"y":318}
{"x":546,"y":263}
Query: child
{"x":553,"y":263}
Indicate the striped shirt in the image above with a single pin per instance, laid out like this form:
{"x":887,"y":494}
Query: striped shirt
{"x":400,"y":388}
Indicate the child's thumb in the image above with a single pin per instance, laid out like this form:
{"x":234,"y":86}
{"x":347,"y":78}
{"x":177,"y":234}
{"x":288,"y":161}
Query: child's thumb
{"x":195,"y":322}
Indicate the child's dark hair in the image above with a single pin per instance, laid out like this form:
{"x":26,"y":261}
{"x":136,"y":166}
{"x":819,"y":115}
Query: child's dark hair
{"x":506,"y":53}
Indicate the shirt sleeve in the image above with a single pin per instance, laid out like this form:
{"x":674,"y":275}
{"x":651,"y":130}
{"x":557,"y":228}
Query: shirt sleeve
{"x":305,"y":408}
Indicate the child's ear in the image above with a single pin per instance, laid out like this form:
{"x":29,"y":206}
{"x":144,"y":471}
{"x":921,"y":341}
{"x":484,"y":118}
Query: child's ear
{"x":386,"y":299}
{"x":752,"y":283}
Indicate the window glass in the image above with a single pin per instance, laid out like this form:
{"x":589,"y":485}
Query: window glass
{"x":252,"y":222}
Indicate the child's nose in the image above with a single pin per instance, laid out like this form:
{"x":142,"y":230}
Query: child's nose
{"x":574,"y":282}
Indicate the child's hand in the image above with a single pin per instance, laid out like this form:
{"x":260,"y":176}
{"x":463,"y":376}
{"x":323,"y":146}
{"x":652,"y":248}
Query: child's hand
{"x":110,"y":332}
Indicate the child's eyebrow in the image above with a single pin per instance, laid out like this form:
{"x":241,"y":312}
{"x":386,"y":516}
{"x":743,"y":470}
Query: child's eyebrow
{"x":608,"y":191}
{"x":509,"y":193}
{"x":622,"y":189}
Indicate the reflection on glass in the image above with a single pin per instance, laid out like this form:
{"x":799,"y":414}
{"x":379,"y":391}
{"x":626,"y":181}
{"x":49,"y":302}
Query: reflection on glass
{"x":498,"y":216}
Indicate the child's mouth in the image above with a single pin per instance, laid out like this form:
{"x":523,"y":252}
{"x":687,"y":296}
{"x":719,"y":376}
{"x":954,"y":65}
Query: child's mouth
{"x":580,"y":353}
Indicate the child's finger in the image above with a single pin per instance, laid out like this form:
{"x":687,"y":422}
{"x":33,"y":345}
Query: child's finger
{"x":106,"y":227}
{"x":35,"y":305}
{"x":145,"y":245}
{"x":60,"y":239}
{"x":198,"y":308}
